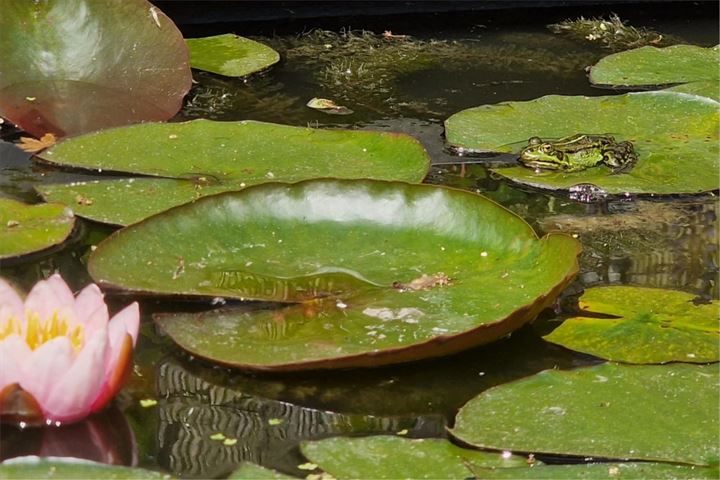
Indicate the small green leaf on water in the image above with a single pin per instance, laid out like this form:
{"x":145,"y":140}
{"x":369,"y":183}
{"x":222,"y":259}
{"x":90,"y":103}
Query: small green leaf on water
{"x":230,"y":441}
{"x":307,"y":466}
{"x":275,"y":421}
{"x":230,"y":55}
{"x":148,"y":402}
{"x":648,"y":325}
{"x":217,"y":436}
{"x":404,"y":431}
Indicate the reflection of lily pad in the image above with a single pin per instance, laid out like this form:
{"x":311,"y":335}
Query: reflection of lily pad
{"x":649,"y":325}
{"x":647,"y":412}
{"x":394,"y":457}
{"x":67,"y":467}
{"x":658,"y":66}
{"x":30,"y":228}
{"x":668,"y":129}
{"x":220,"y":156}
{"x":75,"y":66}
{"x":230,"y":55}
{"x":348,"y":250}
{"x":600,"y":471}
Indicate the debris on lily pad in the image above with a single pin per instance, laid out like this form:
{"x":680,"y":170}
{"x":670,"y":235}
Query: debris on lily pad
{"x":33,"y":145}
{"x":328,"y":106}
{"x":642,"y":325}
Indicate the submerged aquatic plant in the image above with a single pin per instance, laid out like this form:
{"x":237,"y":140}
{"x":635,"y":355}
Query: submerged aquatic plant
{"x":612,"y":33}
{"x":63,"y":357}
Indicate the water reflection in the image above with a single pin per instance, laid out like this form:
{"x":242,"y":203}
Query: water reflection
{"x":207,"y":429}
{"x":105,"y":437}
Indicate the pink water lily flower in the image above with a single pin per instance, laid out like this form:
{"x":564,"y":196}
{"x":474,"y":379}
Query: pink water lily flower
{"x":61,"y":357}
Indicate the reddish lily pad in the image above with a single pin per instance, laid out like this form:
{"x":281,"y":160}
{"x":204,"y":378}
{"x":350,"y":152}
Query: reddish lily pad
{"x":376,"y":272}
{"x":27,"y":229}
{"x":395,"y":457}
{"x":234,"y":155}
{"x":647,"y":325}
{"x":666,"y":128}
{"x":637,"y":412}
{"x":75,"y":66}
{"x":230,"y":55}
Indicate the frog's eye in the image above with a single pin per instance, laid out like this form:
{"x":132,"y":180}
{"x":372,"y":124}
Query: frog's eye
{"x":545,"y":148}
{"x":533,"y":141}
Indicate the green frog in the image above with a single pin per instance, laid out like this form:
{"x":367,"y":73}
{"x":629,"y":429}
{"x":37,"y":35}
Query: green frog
{"x":578,"y":152}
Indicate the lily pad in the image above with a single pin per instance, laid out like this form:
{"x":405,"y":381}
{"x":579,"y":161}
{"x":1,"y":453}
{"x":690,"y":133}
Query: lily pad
{"x":667,"y":129}
{"x":254,"y":471}
{"x":30,"y":228}
{"x":637,"y":412}
{"x":378,"y":272}
{"x":599,"y":471}
{"x":652,"y":66}
{"x":230,"y":55}
{"x":394,"y":457}
{"x":79,"y":65}
{"x":71,"y":468}
{"x":647,"y":325}
{"x":710,"y":89}
{"x":234,"y":155}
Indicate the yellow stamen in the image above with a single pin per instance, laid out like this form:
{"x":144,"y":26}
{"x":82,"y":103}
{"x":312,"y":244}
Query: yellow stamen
{"x":37,"y":331}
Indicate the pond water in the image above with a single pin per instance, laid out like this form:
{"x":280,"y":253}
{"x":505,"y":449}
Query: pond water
{"x":454,"y":61}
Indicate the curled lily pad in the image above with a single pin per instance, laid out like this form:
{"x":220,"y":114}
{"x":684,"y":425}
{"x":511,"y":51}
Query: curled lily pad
{"x":234,"y":155}
{"x":666,"y":128}
{"x":230,"y":55}
{"x":395,"y":457}
{"x":646,"y":325}
{"x":32,"y":467}
{"x":344,"y":254}
{"x":639,"y":412}
{"x":652,"y":66}
{"x":78,"y":65}
{"x":328,"y":106}
{"x":27,"y":229}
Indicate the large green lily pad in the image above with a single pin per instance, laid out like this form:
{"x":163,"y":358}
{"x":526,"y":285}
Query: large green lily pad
{"x":710,"y":89}
{"x":71,"y":468}
{"x":80,"y":65}
{"x":651,"y":66}
{"x":395,"y":457}
{"x":230,"y":55}
{"x":219,"y":156}
{"x":600,"y":471}
{"x":30,"y":228}
{"x":378,"y":272}
{"x":648,"y":325}
{"x":638,"y":412}
{"x":668,"y":130}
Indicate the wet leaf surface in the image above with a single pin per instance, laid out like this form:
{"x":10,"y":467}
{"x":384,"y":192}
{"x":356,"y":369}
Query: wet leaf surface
{"x":667,"y":129}
{"x":76,"y":66}
{"x":234,"y":155}
{"x":395,"y":457}
{"x":334,"y":250}
{"x":230,"y":55}
{"x":637,"y":412}
{"x":253,"y":471}
{"x":26,"y":228}
{"x":649,"y":325}
{"x":70,"y":468}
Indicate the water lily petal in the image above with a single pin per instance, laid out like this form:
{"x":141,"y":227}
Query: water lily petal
{"x":10,"y":302}
{"x":117,"y":370}
{"x":74,"y":392}
{"x":14,"y":353}
{"x":90,"y":308}
{"x":44,"y":366}
{"x":130,"y":318}
{"x":48,"y":296}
